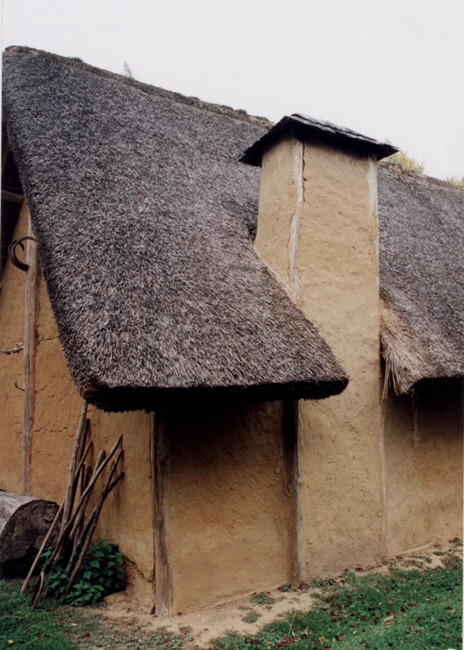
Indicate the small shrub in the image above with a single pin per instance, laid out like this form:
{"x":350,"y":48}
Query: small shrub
{"x":287,"y":586}
{"x":101,"y":574}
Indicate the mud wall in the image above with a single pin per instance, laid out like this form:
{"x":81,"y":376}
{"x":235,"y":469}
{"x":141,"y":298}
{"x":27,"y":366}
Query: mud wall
{"x":227,"y":503}
{"x":317,"y":229}
{"x":423,"y":456}
{"x":11,"y":368}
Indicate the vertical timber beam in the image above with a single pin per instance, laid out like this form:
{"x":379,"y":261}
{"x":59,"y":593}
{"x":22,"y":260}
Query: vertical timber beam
{"x":158,"y":461}
{"x":294,"y":481}
{"x":5,"y":150}
{"x":30,"y":349}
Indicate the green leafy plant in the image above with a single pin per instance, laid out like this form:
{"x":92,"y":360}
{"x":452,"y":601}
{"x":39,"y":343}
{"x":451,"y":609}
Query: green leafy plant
{"x":101,"y":574}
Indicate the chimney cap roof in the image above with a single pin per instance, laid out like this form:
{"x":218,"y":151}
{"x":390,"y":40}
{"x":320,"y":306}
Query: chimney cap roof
{"x":305,"y":128}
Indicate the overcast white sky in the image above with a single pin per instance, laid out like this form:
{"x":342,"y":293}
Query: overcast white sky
{"x":387,"y":68}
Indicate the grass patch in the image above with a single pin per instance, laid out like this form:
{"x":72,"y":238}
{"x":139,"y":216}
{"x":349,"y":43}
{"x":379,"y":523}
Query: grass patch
{"x":47,"y":627}
{"x":52,"y":626}
{"x":455,"y":180}
{"x":408,"y":163}
{"x":408,"y":609}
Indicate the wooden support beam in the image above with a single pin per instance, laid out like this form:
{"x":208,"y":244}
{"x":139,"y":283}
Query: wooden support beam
{"x":294,"y":481}
{"x":30,"y":347}
{"x":158,"y":458}
{"x":12,"y":197}
{"x":5,"y":149}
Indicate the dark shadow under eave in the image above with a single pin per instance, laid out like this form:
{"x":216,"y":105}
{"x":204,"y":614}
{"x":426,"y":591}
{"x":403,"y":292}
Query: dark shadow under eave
{"x":149,"y":399}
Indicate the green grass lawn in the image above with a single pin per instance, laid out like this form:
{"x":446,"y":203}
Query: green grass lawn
{"x":48,"y":627}
{"x":407,"y":609}
{"x":51,"y":626}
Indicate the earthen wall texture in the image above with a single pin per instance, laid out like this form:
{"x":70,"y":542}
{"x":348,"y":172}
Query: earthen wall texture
{"x":11,"y":368}
{"x":227,"y":502}
{"x":317,"y":228}
{"x":424,"y":464}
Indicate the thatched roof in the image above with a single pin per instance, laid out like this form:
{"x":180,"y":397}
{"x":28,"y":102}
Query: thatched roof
{"x":144,"y":220}
{"x":421,"y":223}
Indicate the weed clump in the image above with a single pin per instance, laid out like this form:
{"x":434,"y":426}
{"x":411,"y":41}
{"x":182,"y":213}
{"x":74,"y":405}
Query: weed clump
{"x":251,"y":617}
{"x":262,"y":599}
{"x":408,"y":163}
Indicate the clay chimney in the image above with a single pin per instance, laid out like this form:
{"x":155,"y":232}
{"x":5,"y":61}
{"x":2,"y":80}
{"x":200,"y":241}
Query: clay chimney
{"x":318,"y":232}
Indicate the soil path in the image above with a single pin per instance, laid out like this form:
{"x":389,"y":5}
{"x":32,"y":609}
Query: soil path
{"x":203,"y":625}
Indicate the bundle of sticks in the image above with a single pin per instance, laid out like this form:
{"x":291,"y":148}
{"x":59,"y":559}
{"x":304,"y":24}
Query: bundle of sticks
{"x":75,"y":530}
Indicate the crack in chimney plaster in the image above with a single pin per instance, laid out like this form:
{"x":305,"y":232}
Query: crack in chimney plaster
{"x":298,"y":179}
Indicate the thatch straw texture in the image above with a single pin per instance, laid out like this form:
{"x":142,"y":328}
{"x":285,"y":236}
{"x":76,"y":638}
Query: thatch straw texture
{"x":143,"y":218}
{"x":421,"y":223}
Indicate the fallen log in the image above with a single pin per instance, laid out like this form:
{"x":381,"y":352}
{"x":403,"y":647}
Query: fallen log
{"x":24,"y":523}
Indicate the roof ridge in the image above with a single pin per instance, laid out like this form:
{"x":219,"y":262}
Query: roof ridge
{"x":396,"y":167}
{"x":149,"y":89}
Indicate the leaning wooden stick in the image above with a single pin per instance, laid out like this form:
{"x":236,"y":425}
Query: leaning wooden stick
{"x":85,"y":529}
{"x":98,"y":470}
{"x":74,"y":535}
{"x":54,"y":555}
{"x":62,"y":538}
{"x":42,"y":547}
{"x":84,"y":498}
{"x":72,"y":467}
{"x":38,"y":589}
{"x":81,"y":505}
{"x":93,"y":519}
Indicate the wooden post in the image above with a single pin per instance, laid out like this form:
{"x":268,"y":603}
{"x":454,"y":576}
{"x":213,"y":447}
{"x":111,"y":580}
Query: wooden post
{"x":293,"y":473}
{"x":5,"y":150}
{"x":30,"y":346}
{"x":158,"y":458}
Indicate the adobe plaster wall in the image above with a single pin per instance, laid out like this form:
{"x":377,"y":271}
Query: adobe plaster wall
{"x":317,"y":229}
{"x":227,"y":503}
{"x":11,"y":368}
{"x":424,"y":469}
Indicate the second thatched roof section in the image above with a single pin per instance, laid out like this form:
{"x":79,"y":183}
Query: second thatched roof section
{"x":421,"y":223}
{"x":143,"y":218}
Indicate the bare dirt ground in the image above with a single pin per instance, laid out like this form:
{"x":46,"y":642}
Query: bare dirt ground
{"x":203,"y":625}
